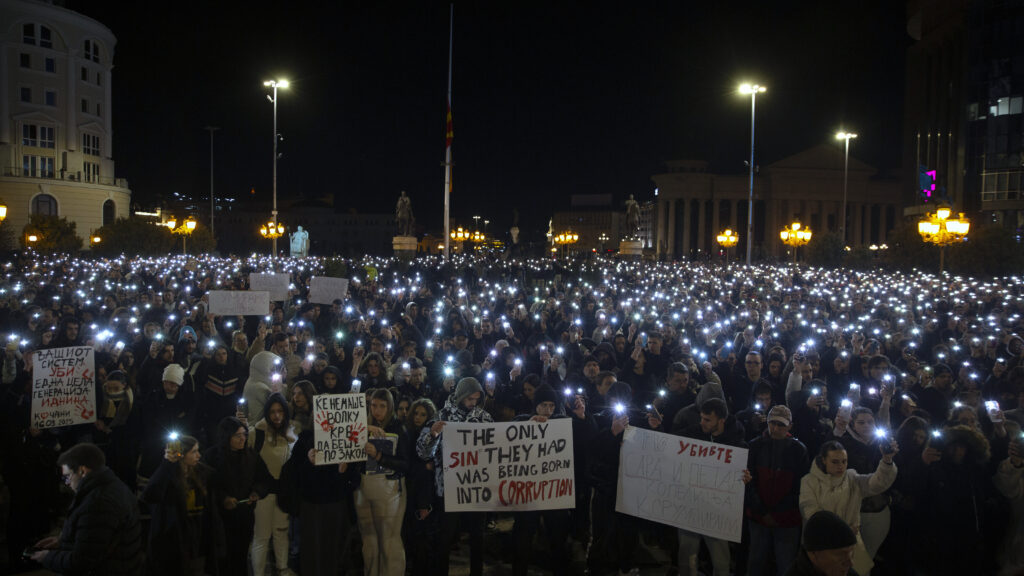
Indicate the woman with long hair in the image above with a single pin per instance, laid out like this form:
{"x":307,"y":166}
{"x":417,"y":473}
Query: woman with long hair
{"x":421,"y":522}
{"x":185,"y":535}
{"x":272,"y":439}
{"x":302,"y":406}
{"x":380,"y":499}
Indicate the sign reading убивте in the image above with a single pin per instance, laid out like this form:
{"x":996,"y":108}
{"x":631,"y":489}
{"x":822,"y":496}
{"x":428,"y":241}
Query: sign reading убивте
{"x":682,"y":482}
{"x":508,"y":466}
{"x":63,"y":387}
{"x":339,"y":431}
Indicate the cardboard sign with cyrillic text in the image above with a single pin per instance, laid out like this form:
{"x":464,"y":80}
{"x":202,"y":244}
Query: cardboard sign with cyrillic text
{"x":325,"y":290}
{"x":686,"y":483}
{"x":274,"y":284}
{"x":339,"y":428}
{"x":508,"y":466}
{"x":63,"y":387}
{"x":239,"y":302}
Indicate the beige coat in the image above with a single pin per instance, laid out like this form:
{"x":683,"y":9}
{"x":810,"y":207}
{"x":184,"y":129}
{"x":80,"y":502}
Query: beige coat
{"x":843,"y":495}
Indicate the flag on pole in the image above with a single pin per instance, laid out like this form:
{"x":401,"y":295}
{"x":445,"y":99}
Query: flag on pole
{"x":449,"y":131}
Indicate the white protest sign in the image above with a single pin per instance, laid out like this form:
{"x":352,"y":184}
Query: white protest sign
{"x":325,"y":290}
{"x":63,"y":387}
{"x":339,"y":428}
{"x":275,"y":284}
{"x":682,"y":482}
{"x":509,"y":466}
{"x":239,"y":302}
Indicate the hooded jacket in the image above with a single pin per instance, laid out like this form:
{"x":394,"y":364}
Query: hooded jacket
{"x":843,"y":495}
{"x":427,"y":444}
{"x":258,"y":387}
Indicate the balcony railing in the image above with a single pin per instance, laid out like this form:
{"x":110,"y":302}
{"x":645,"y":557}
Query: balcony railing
{"x":65,"y":176}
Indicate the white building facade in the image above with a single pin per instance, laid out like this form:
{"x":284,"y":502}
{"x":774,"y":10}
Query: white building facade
{"x":56,"y":141}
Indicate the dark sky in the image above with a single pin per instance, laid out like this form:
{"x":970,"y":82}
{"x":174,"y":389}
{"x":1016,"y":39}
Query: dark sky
{"x":549,"y":101}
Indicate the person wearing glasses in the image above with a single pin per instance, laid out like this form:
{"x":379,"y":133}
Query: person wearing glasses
{"x":101,"y":534}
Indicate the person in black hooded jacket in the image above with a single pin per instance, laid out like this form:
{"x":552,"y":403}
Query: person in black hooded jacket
{"x":239,"y":480}
{"x":101,"y":534}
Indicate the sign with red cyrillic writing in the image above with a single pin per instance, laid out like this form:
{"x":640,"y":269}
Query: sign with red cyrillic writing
{"x":63,"y":387}
{"x":686,"y":483}
{"x":339,"y":428}
{"x":508,"y":466}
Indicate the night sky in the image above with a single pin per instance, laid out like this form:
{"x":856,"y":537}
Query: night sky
{"x":549,"y":101}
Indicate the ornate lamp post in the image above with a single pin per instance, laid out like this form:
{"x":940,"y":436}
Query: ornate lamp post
{"x":565,"y":239}
{"x":939,"y":229}
{"x":185,"y":230}
{"x":273,"y":230}
{"x":727,"y":239}
{"x":274,"y":85}
{"x":460,"y":235}
{"x":795,"y":235}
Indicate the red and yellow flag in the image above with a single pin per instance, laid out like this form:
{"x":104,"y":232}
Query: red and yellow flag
{"x":449,"y":131}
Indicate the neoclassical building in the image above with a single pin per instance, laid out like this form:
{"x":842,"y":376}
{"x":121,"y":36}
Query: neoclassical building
{"x":693,"y":205}
{"x":55,"y":117}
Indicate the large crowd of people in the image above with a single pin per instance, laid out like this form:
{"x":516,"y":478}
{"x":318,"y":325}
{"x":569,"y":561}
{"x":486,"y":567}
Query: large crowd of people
{"x":891,"y":402}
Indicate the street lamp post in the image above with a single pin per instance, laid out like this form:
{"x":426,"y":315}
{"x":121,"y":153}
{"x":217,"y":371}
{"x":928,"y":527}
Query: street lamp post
{"x":272,"y":230}
{"x":213,"y":203}
{"x":274,"y":84}
{"x":565,"y":239}
{"x":846,"y":136}
{"x":939,"y":229}
{"x":727,"y":239}
{"x":753,"y":90}
{"x":185,"y":230}
{"x":795,"y":235}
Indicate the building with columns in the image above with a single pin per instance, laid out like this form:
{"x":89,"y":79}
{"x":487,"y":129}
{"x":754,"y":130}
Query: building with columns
{"x":694,"y":205}
{"x":56,"y":137}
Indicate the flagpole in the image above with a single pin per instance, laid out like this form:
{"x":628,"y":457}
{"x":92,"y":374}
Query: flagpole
{"x":448,"y":138}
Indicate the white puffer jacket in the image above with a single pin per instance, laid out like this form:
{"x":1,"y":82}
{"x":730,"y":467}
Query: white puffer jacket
{"x":819,"y":491}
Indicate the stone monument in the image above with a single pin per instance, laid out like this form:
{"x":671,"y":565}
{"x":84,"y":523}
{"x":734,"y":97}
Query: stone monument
{"x":631,"y":246}
{"x":404,"y":243}
{"x":299,"y":243}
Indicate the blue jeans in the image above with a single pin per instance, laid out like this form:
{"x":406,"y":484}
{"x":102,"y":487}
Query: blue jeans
{"x":785,"y":541}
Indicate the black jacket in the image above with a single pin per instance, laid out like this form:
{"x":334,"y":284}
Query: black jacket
{"x":102,"y":533}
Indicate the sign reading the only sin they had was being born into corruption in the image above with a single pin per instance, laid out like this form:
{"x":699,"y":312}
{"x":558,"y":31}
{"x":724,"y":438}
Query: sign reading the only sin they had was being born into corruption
{"x":682,"y":482}
{"x":63,"y":387}
{"x":339,"y":428}
{"x":509,"y":466}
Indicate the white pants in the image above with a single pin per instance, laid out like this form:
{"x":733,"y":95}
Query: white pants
{"x":380,"y":507}
{"x":271,"y":524}
{"x":874,"y":527}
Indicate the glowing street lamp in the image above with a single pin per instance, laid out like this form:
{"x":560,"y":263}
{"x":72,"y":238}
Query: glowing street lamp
{"x":939,"y":229}
{"x":727,"y":239}
{"x":274,"y":84}
{"x":795,"y":235}
{"x":753,"y":90}
{"x":565,"y":239}
{"x":3,"y":211}
{"x":846,"y":136}
{"x":272,"y":230}
{"x":185,"y":230}
{"x":460,"y":235}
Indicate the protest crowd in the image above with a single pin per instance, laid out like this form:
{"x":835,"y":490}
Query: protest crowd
{"x":857,"y":422}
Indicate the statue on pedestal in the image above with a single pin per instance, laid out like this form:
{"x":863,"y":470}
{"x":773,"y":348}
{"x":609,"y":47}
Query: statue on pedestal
{"x":299,"y":243}
{"x":514,"y":230}
{"x":632,"y":217}
{"x":403,"y":215}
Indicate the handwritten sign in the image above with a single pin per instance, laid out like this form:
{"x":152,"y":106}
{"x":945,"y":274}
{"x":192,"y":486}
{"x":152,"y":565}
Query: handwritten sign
{"x":275,"y":284}
{"x":682,"y":482}
{"x":63,"y":387}
{"x":239,"y":302}
{"x":325,"y":290}
{"x":339,"y":428}
{"x":510,"y":466}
